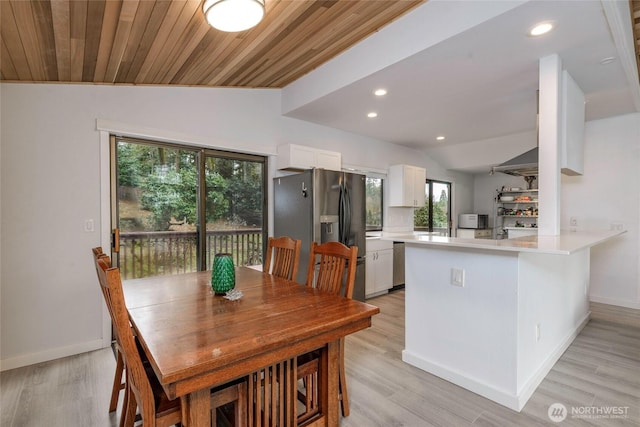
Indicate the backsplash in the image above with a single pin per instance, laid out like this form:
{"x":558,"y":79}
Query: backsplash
{"x":398,"y":220}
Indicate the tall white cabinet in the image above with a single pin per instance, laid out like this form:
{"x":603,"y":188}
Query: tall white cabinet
{"x":407,"y":186}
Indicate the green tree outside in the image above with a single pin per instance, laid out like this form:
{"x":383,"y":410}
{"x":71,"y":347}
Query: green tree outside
{"x":165,"y":182}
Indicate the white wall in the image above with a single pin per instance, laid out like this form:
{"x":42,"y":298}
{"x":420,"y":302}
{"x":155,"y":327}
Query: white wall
{"x":50,"y":174}
{"x":609,"y":193}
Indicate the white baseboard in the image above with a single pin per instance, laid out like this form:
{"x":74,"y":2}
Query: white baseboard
{"x":616,"y":302}
{"x":514,"y":401}
{"x":530,"y":386}
{"x":51,"y":354}
{"x":502,"y":397}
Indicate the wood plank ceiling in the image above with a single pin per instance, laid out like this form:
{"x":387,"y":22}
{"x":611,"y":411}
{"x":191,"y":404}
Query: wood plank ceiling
{"x":159,"y":42}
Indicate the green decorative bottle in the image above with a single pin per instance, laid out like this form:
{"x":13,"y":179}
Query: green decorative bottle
{"x":223,"y":275}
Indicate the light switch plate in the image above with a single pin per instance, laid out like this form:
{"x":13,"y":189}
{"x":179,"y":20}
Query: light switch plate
{"x":457,"y":277}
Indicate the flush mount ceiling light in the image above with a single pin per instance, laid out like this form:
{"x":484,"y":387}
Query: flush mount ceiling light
{"x":440,"y":138}
{"x":233,"y":15}
{"x":380,"y":92}
{"x":540,"y":29}
{"x":372,"y":115}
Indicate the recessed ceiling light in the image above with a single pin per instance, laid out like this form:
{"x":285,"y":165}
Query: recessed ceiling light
{"x":372,"y":115}
{"x":440,"y":138}
{"x":541,"y":29}
{"x":607,"y":60}
{"x":380,"y":92}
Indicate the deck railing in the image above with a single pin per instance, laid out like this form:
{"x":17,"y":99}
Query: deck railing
{"x":144,"y":254}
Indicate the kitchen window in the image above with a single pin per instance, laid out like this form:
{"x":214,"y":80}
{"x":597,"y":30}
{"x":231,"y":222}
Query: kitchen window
{"x":435,"y":215}
{"x":374,"y":188}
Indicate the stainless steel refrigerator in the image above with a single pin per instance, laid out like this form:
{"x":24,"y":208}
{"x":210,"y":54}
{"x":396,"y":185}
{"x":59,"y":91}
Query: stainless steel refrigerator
{"x":320,"y":206}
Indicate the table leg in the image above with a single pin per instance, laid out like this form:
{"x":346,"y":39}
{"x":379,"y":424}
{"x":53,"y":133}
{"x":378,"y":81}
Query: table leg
{"x":196,"y":408}
{"x":331,"y":395}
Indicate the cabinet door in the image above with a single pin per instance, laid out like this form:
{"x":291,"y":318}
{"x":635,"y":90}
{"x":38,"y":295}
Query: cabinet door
{"x":419,"y":178}
{"x":384,"y":270}
{"x":465,"y":233}
{"x":400,"y":190}
{"x":302,"y":157}
{"x":370,"y":274}
{"x":407,"y":186}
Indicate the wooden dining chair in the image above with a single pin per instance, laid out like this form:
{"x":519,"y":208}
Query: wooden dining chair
{"x":283,"y":255}
{"x":143,"y":390}
{"x":118,"y":379}
{"x":328,"y":263}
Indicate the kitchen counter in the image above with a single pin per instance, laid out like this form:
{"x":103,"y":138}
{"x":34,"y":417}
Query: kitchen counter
{"x":391,"y":235}
{"x":493,"y":316}
{"x":564,"y":244}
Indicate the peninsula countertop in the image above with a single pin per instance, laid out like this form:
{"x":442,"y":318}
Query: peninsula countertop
{"x":566,"y":243}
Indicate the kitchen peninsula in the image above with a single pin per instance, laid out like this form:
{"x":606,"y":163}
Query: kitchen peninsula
{"x":493,"y":316}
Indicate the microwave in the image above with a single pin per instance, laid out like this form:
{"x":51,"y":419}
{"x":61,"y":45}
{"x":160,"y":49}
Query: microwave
{"x":473,"y":221}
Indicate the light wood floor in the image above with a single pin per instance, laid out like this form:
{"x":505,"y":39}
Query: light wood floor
{"x":600,"y":369}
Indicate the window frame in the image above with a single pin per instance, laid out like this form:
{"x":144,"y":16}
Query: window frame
{"x":201,"y":154}
{"x":429,"y":203}
{"x":382,"y":187}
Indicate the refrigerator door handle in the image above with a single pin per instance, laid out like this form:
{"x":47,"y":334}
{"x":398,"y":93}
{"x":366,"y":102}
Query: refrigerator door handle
{"x":344,"y":214}
{"x":341,"y":214}
{"x":347,"y":215}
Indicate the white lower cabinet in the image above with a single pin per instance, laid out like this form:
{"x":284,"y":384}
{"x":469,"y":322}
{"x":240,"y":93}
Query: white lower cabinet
{"x":379,"y":267}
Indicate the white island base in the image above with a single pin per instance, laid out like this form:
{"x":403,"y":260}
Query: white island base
{"x":521,"y":305}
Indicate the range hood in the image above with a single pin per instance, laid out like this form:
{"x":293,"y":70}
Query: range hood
{"x":525,"y":164}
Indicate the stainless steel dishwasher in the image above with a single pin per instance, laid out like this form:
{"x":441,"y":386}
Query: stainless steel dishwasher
{"x":398,"y":263}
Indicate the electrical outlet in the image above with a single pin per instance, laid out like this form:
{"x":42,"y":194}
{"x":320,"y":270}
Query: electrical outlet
{"x":457,"y":277}
{"x":617,"y":226}
{"x":573,"y":221}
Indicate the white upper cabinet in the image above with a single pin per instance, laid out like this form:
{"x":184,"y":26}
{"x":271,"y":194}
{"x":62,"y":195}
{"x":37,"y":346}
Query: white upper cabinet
{"x":407,"y":186}
{"x":299,"y":157}
{"x":572,"y":138}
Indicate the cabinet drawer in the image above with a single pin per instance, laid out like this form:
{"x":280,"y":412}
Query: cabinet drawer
{"x":376,"y":244}
{"x":466,"y":233}
{"x":483,"y":234}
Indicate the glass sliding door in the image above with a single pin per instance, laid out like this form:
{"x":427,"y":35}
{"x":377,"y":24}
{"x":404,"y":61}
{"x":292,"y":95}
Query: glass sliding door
{"x":161,"y":195}
{"x":234,"y":211}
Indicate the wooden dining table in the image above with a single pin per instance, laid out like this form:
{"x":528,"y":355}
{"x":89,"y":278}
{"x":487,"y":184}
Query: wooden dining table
{"x":196,"y":340}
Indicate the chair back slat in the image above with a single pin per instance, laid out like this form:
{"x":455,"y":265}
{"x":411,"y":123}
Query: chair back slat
{"x":283,"y":255}
{"x":328,"y":263}
{"x":111,"y":284}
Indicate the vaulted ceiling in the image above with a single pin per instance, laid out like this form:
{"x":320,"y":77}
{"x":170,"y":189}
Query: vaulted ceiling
{"x":169,"y":42}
